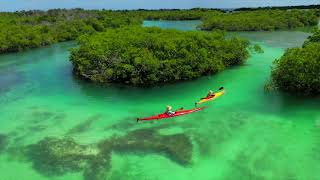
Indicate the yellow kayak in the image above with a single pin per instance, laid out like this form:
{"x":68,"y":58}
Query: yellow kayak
{"x":213,"y":97}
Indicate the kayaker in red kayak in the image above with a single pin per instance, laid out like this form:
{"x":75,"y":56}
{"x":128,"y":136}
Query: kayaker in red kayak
{"x":169,"y":110}
{"x":179,"y":112}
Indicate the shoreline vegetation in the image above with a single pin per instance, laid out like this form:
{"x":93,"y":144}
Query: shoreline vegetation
{"x":261,"y":20}
{"x":115,"y":48}
{"x":31,"y":29}
{"x":148,"y":56}
{"x":298,"y":70}
{"x":304,"y":7}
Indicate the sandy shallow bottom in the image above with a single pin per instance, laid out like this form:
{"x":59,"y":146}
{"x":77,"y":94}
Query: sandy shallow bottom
{"x":246,"y":134}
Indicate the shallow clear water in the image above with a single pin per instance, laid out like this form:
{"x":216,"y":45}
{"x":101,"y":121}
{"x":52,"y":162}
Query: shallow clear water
{"x":180,"y":25}
{"x":245,"y":134}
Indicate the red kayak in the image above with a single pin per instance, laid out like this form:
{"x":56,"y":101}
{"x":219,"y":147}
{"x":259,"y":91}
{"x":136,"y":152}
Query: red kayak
{"x":165,"y":115}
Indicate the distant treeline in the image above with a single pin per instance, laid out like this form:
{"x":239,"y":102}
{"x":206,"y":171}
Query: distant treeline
{"x":147,"y":56}
{"x":261,"y":20}
{"x":30,"y":29}
{"x":192,"y":9}
{"x":279,"y":7}
{"x":195,"y":14}
{"x":298,"y":70}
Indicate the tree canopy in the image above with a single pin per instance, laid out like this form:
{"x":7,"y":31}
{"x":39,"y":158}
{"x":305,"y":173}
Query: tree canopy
{"x":147,"y":56}
{"x":298,"y":70}
{"x":29,"y":29}
{"x":261,"y":20}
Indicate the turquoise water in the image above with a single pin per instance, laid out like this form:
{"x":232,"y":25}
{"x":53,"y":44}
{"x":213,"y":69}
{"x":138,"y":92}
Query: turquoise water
{"x":245,"y":134}
{"x":180,"y":25}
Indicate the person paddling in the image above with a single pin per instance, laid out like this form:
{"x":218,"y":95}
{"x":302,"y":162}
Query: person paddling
{"x":210,"y":94}
{"x":169,"y":110}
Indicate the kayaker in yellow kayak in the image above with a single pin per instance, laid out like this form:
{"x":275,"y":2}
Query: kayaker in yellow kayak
{"x":211,"y":96}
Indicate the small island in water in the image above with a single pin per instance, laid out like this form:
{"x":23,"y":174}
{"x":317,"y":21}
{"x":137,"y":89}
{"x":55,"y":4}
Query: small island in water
{"x":149,"y":56}
{"x":64,"y":115}
{"x":110,"y":51}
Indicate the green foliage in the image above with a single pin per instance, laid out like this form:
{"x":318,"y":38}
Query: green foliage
{"x":261,"y":20}
{"x":314,"y":38}
{"x":256,"y":48}
{"x":146,"y":56}
{"x":298,"y":70}
{"x":30,"y":29}
{"x":194,"y":14}
{"x":304,"y":7}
